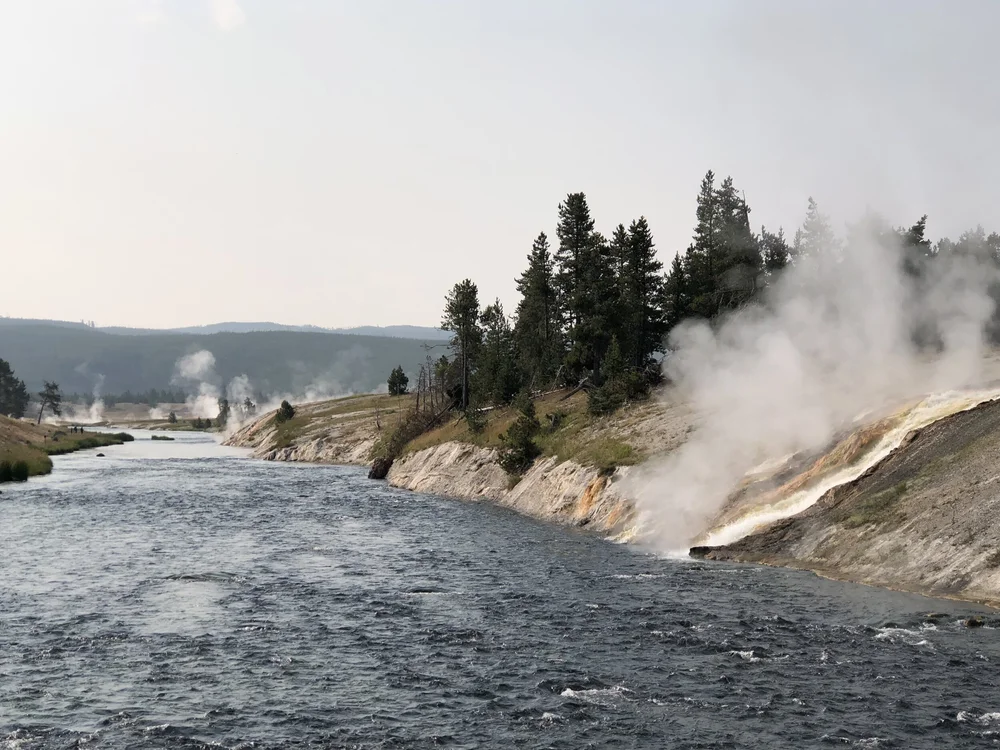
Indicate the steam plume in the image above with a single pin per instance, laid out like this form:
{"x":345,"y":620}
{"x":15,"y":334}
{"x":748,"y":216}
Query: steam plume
{"x":835,"y":339}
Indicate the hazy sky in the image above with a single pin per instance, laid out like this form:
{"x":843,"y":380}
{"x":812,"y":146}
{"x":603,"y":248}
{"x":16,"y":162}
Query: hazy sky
{"x":177,"y":162}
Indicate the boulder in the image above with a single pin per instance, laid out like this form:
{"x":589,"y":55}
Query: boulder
{"x":380,"y":468}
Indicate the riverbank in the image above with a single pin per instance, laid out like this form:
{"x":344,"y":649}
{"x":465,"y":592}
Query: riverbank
{"x":32,"y":445}
{"x":576,"y":481}
{"x":922,"y":519}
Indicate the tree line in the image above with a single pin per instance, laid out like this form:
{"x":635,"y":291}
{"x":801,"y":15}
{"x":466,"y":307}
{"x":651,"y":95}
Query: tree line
{"x":151,"y":397}
{"x":595,"y":311}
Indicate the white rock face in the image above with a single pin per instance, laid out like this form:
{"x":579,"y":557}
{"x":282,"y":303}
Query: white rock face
{"x":565,"y":493}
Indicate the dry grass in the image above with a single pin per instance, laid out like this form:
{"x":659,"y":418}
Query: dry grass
{"x":567,"y":432}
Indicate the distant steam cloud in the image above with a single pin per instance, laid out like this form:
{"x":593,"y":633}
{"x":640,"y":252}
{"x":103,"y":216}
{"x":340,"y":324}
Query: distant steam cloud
{"x":95,"y":412}
{"x":197,"y":371}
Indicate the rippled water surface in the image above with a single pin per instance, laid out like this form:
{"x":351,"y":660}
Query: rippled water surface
{"x":180,"y":595}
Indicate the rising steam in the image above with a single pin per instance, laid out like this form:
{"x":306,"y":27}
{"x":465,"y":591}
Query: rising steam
{"x":197,"y":370}
{"x":835,"y":339}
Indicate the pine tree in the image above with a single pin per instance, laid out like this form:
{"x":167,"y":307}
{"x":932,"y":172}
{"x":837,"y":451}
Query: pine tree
{"x":774,"y":251}
{"x":575,"y":232}
{"x":815,"y":236}
{"x":50,"y":397}
{"x":642,"y":287}
{"x":537,"y":331}
{"x":676,"y":299}
{"x":461,"y":317}
{"x":13,"y":393}
{"x":702,"y":257}
{"x":496,"y":380}
{"x":398,"y":382}
{"x":586,"y":282}
{"x":738,"y":265}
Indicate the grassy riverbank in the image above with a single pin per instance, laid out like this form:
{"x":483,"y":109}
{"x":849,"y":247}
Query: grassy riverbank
{"x":568,"y":431}
{"x":32,"y":445}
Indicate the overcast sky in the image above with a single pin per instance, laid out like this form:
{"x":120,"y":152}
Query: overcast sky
{"x":176,"y":162}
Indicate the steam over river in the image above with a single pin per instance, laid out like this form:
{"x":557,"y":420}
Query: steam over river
{"x":180,"y":595}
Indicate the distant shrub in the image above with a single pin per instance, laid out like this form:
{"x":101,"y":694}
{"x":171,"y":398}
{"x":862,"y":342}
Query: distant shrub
{"x":476,"y":421}
{"x":519,"y":449}
{"x":412,"y":424}
{"x":285,"y":412}
{"x":6,"y":471}
{"x":161,"y":437}
{"x":19,"y":471}
{"x":172,"y":418}
{"x":124,"y":437}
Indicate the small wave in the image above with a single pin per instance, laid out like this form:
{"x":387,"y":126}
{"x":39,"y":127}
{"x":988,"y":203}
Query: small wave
{"x":596,"y":695}
{"x":744,"y":655}
{"x":866,"y":742}
{"x":902,"y":635}
{"x":983,"y":720}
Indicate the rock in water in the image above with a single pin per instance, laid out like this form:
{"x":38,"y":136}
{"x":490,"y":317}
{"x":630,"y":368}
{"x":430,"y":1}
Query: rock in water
{"x":380,"y":468}
{"x":100,"y":455}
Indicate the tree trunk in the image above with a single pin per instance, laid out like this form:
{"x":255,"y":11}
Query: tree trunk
{"x":40,"y":413}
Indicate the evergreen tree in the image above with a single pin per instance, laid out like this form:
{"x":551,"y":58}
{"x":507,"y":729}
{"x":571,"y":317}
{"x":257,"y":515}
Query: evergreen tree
{"x":642,"y":295}
{"x":496,"y":380}
{"x":223,"y":417}
{"x":600,"y":311}
{"x":676,"y":299}
{"x":575,"y":232}
{"x":398,"y":382}
{"x":774,"y":251}
{"x":702,"y":258}
{"x":739,"y":263}
{"x":50,"y":397}
{"x":285,"y":412}
{"x":815,"y":236}
{"x":13,"y":393}
{"x":461,"y":316}
{"x":586,"y":282}
{"x":537,"y":331}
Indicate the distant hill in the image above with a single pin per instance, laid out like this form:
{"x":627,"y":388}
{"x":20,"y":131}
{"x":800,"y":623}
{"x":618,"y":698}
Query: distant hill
{"x":404,"y":332}
{"x":287,"y":361}
{"x":424,"y":333}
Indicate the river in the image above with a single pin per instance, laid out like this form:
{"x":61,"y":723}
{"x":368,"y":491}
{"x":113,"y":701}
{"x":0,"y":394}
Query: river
{"x":179,"y":594}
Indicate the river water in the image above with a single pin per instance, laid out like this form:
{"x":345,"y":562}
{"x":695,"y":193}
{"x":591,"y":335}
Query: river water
{"x":181,"y":595}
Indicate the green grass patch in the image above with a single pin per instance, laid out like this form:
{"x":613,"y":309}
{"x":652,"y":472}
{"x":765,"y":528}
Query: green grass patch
{"x":59,"y":445}
{"x":35,"y":459}
{"x":286,"y":432}
{"x":161,"y":437}
{"x":878,"y":508}
{"x":607,"y":454}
